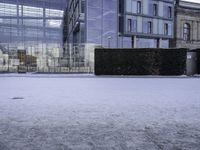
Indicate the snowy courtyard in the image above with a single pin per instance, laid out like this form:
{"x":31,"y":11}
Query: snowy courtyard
{"x":42,"y":112}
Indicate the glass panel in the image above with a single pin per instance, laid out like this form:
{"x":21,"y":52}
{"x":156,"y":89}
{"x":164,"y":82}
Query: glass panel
{"x":32,"y":11}
{"x":139,"y":7}
{"x":52,"y":23}
{"x":128,"y":5}
{"x":30,"y":32}
{"x":53,"y":13}
{"x":8,"y":9}
{"x":129,"y":25}
{"x":8,"y":21}
{"x":33,"y":22}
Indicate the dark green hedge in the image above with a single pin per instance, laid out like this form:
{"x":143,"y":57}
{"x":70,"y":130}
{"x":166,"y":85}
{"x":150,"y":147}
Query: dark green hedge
{"x":198,"y":60}
{"x":140,"y":61}
{"x":173,"y":61}
{"x":197,"y":51}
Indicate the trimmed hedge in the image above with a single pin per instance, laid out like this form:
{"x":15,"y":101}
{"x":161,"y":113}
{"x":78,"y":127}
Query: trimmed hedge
{"x":173,"y":61}
{"x":198,"y":60}
{"x":197,"y":51}
{"x":140,"y":61}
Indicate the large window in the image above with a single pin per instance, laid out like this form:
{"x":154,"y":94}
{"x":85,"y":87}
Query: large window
{"x":129,"y":25}
{"x":54,"y":13}
{"x":149,"y":27}
{"x":120,"y":24}
{"x":166,"y":29}
{"x":23,"y":23}
{"x":169,"y":12}
{"x":129,"y":5}
{"x":83,"y":6}
{"x":8,"y":9}
{"x":32,"y":33}
{"x":52,"y":23}
{"x":139,"y":7}
{"x":33,"y":22}
{"x":32,"y":11}
{"x":155,"y":9}
{"x":186,"y":32}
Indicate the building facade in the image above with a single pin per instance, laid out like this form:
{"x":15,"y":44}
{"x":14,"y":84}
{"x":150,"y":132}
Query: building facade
{"x":187,"y":25}
{"x":120,"y":23}
{"x":32,"y":25}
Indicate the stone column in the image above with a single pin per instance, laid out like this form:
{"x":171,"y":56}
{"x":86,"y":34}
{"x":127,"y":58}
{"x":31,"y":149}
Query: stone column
{"x":134,"y":41}
{"x":159,"y":43}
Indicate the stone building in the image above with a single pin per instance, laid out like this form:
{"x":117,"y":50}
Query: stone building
{"x":187,"y":25}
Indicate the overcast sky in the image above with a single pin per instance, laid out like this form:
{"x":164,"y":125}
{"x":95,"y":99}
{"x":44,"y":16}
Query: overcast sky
{"x":197,"y":1}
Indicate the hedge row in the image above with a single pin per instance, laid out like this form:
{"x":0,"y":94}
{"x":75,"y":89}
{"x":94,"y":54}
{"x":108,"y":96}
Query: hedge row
{"x":140,"y":61}
{"x":197,"y":51}
{"x":198,"y":60}
{"x":173,"y":62}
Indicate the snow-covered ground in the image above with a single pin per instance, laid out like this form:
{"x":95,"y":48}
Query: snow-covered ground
{"x":99,"y":113}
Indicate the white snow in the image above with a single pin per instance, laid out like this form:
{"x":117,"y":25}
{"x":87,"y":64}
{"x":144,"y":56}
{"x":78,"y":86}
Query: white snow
{"x":74,"y":112}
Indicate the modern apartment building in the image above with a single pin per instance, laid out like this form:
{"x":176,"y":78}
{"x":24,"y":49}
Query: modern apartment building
{"x":32,"y":25}
{"x":120,"y":23}
{"x":187,"y":25}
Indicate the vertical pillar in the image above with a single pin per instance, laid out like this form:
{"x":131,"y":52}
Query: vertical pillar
{"x":44,"y":22}
{"x":198,"y":33}
{"x":22,"y":27}
{"x":18,"y":20}
{"x":192,"y":32}
{"x":159,"y":43}
{"x":134,"y":41}
{"x":195,"y":31}
{"x":44,"y":41}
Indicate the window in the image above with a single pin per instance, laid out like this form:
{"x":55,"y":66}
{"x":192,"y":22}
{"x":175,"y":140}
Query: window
{"x":32,"y":11}
{"x":169,"y":12}
{"x":186,"y":32}
{"x":52,"y":23}
{"x":149,"y":28}
{"x":120,"y":6}
{"x":120,"y":24}
{"x":133,"y":41}
{"x":8,"y":9}
{"x":155,"y":9}
{"x":134,"y":25}
{"x":166,"y":29}
{"x":54,"y":13}
{"x":128,"y":5}
{"x":139,"y":7}
{"x":33,"y":22}
{"x":129,"y":25}
{"x":83,"y":6}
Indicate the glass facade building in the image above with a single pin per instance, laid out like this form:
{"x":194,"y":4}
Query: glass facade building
{"x":32,"y":25}
{"x":120,"y":23}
